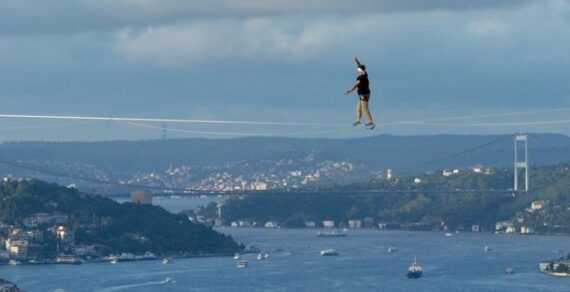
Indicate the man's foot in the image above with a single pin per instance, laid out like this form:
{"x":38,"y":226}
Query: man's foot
{"x":370,"y":126}
{"x":357,"y":123}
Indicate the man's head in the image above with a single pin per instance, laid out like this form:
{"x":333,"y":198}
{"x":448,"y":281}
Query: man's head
{"x":361,"y":69}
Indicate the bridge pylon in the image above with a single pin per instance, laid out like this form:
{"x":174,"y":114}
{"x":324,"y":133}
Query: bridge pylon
{"x":521,"y":139}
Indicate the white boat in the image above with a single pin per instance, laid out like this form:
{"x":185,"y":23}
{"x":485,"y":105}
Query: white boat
{"x":509,"y":270}
{"x":242,"y":264}
{"x":265,"y":255}
{"x":13,"y":263}
{"x":167,"y":261}
{"x":415,"y":270}
{"x":392,"y":249}
{"x":331,"y":233}
{"x":329,"y":252}
{"x":113,"y":261}
{"x":487,"y":248}
{"x":260,"y":257}
{"x":168,"y":280}
{"x":448,"y":234}
{"x":237,"y":256}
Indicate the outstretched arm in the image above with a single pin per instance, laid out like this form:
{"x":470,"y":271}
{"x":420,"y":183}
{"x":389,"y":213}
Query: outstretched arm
{"x":357,"y":62}
{"x":354,"y":86}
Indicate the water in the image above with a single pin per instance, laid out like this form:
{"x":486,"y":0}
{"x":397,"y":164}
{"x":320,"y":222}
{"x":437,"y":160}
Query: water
{"x":456,"y":263}
{"x":175,"y":204}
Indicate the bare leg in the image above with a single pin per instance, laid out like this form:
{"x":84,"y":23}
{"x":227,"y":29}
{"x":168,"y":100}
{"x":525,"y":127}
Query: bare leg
{"x":369,"y":117}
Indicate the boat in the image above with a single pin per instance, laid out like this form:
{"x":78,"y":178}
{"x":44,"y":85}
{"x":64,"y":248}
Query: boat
{"x":168,"y":280}
{"x":113,"y":261}
{"x":242,"y":264}
{"x":448,"y":234}
{"x":260,"y":257}
{"x":331,"y":233}
{"x":415,"y":270}
{"x":167,"y":261}
{"x":487,"y":248}
{"x":14,"y":262}
{"x":237,"y":256}
{"x":509,"y":270}
{"x":329,"y":252}
{"x":392,"y":249}
{"x":68,"y":259}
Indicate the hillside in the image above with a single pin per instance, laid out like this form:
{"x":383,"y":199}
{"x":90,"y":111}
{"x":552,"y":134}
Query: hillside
{"x":424,"y":202}
{"x":261,"y":163}
{"x":35,"y":211}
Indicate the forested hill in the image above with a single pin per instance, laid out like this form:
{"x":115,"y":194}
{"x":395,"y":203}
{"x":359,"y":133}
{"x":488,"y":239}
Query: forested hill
{"x":458,"y":200}
{"x":97,"y":220}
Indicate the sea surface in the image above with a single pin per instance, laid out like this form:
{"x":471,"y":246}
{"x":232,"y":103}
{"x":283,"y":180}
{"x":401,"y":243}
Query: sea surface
{"x":451,"y":263}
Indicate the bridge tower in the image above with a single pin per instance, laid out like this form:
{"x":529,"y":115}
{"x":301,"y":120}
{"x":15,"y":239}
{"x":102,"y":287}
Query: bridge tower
{"x":521,"y":139}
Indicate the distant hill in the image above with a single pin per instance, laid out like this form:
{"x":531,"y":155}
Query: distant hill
{"x":198,"y":162}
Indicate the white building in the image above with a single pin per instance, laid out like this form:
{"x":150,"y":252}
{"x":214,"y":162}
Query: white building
{"x":355,"y":223}
{"x":536,"y":205}
{"x":511,"y":230}
{"x":526,"y":230}
{"x":328,"y":223}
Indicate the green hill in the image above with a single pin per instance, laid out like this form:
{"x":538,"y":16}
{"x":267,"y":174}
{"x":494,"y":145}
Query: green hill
{"x":428,"y":201}
{"x":97,"y":220}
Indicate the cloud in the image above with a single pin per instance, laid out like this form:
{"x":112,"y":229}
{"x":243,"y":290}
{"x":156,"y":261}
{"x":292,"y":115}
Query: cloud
{"x":254,"y":38}
{"x":69,"y":16}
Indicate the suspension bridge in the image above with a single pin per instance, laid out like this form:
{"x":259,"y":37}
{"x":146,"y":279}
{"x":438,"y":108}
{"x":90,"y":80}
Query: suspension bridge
{"x":151,"y":123}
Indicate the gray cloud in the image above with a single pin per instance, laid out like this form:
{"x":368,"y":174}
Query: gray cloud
{"x":57,"y":16}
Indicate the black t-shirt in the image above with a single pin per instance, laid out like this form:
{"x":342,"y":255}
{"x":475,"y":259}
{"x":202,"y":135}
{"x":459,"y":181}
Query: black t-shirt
{"x":363,"y":86}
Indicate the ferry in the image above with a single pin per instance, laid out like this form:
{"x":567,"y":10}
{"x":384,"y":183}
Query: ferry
{"x":329,"y":252}
{"x":67,"y":259}
{"x":415,"y":270}
{"x":331,"y":233}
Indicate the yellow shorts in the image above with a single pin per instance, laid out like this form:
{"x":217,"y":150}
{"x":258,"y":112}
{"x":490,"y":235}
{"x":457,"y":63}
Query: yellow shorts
{"x":362,"y":105}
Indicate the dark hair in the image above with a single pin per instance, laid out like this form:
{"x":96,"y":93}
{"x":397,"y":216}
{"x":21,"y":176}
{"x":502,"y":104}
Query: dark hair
{"x":362,"y":67}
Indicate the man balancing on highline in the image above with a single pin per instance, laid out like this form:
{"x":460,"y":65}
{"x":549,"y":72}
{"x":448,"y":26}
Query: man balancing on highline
{"x":362,"y":85}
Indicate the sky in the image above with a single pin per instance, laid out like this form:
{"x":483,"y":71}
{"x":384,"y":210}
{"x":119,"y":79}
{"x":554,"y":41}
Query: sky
{"x":457,"y":67}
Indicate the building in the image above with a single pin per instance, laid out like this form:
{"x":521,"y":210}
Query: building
{"x":310,"y":224}
{"x":526,"y":230}
{"x":355,"y":223}
{"x":65,"y":235}
{"x":536,"y":205}
{"x":141,"y":197}
{"x":328,"y":223}
{"x":44,"y":218}
{"x":17,"y":248}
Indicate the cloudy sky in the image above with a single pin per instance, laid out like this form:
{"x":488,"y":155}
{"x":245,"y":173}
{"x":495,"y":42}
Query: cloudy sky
{"x":283,"y":61}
